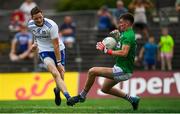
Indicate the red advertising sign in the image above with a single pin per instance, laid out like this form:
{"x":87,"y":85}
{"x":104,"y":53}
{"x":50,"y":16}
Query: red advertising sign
{"x":142,"y":83}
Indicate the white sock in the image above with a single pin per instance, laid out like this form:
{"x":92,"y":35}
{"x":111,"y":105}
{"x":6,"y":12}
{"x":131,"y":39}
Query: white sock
{"x":83,"y":94}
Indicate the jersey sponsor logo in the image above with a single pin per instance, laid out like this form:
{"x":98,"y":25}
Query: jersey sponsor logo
{"x":40,"y":33}
{"x":41,"y":37}
{"x":43,"y":32}
{"x":34,"y":31}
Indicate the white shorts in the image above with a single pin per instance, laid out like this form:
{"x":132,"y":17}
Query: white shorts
{"x":51,"y":57}
{"x":119,"y":75}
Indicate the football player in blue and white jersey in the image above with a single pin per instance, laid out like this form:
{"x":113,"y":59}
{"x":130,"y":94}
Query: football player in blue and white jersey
{"x":50,"y":49}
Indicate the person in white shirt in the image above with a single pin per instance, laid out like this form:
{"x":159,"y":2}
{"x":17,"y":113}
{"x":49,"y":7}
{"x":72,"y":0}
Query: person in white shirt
{"x":50,"y":49}
{"x":26,"y":8}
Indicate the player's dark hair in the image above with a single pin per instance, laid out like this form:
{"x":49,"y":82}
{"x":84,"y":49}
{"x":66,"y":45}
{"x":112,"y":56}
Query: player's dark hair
{"x":35,"y":10}
{"x":128,"y":16}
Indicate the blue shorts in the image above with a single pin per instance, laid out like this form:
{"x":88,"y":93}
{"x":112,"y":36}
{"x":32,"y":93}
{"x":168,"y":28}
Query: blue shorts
{"x":51,"y":54}
{"x":149,"y":61}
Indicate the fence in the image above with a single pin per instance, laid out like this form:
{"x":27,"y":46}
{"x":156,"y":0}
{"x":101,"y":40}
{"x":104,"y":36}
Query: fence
{"x":83,"y":55}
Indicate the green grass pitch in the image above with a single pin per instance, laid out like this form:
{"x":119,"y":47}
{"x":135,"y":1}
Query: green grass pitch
{"x":150,"y":105}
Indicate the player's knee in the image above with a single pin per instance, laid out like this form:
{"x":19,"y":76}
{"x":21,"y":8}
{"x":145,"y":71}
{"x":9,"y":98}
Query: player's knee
{"x":92,"y":71}
{"x":54,"y":73}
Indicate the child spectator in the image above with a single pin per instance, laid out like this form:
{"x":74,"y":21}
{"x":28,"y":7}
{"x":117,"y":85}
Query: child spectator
{"x":149,"y":51}
{"x":166,"y":48}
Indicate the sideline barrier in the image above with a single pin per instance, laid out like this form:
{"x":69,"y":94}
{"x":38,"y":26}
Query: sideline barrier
{"x":33,"y":86}
{"x":142,"y":83}
{"x":39,"y":86}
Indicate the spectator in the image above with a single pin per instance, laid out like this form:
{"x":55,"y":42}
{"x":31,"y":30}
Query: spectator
{"x":149,"y":51}
{"x":68,"y":31}
{"x":177,"y":5}
{"x":140,"y":20}
{"x":17,"y":18}
{"x":26,"y":8}
{"x":20,"y":47}
{"x":120,"y":9}
{"x":166,"y":48}
{"x":105,"y":19}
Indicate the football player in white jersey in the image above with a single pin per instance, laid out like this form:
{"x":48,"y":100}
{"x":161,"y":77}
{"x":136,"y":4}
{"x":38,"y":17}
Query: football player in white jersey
{"x":50,"y":49}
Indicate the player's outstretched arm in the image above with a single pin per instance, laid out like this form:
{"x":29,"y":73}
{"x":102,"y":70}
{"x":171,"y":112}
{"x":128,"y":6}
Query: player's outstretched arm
{"x":123,"y":52}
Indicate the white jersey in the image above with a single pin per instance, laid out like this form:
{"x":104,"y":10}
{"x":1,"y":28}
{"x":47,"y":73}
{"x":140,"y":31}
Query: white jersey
{"x":44,"y":35}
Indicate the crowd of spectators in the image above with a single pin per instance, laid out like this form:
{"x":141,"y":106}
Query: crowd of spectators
{"x":150,"y":52}
{"x":21,"y":15}
{"x":155,"y":49}
{"x":21,"y":38}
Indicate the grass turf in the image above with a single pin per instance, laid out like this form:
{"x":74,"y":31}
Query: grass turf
{"x":150,"y":105}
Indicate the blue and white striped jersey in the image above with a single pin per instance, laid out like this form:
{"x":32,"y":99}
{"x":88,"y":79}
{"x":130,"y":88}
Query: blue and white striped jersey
{"x":44,"y":35}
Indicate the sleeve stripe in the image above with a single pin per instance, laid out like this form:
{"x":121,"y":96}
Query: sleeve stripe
{"x":47,"y":24}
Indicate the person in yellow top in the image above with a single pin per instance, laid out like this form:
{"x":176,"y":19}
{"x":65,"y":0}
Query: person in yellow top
{"x":166,"y":48}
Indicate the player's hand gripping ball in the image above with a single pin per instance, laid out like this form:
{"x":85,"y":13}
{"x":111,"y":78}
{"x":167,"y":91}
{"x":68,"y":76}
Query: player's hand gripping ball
{"x":115,"y":34}
{"x":109,"y":42}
